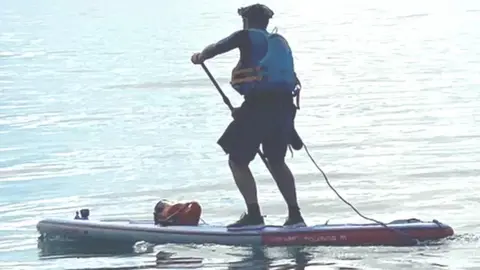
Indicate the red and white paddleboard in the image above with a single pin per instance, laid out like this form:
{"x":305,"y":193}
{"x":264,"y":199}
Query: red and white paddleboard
{"x":400,"y":232}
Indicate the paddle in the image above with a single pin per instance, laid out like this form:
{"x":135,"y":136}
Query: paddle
{"x":230,"y":106}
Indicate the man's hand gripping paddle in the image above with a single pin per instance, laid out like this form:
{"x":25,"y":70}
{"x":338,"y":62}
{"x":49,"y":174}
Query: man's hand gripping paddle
{"x":230,"y":106}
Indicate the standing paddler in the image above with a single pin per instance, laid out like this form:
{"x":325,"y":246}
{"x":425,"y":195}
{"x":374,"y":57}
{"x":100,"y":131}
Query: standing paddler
{"x":265,"y":76}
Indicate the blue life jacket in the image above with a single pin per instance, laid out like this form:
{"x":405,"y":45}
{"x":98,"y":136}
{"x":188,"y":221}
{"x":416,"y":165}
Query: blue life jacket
{"x":270,"y":68}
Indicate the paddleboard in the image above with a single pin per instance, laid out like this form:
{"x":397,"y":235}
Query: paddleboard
{"x":399,"y":232}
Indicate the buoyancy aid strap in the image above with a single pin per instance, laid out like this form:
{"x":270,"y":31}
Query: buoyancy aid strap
{"x":246,"y":75}
{"x":298,"y":87}
{"x":247,"y":79}
{"x":239,"y":72}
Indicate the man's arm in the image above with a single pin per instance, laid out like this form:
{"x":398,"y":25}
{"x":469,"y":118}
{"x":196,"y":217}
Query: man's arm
{"x":227,"y":44}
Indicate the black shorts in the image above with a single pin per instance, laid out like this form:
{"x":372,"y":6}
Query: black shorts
{"x":270,"y":125}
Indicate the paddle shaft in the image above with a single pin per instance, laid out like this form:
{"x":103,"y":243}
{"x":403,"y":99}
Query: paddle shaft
{"x":230,"y":106}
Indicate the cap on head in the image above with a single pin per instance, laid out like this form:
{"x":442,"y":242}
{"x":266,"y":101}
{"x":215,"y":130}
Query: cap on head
{"x":256,"y":11}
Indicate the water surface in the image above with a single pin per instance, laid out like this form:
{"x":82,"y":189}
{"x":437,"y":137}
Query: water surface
{"x":100,"y":107}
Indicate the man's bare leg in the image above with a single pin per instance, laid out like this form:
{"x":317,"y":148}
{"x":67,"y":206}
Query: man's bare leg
{"x":286,"y":184}
{"x":247,"y":187}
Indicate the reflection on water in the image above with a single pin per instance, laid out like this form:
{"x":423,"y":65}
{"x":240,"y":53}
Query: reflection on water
{"x":53,"y":249}
{"x":147,"y":256}
{"x":245,"y":257}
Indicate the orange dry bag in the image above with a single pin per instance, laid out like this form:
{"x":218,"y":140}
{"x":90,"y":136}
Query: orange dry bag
{"x":186,"y":214}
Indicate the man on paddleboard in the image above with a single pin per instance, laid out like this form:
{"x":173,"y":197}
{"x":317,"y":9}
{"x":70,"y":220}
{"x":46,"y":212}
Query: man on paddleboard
{"x":266,"y":78}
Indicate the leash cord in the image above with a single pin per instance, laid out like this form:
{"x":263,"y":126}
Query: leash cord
{"x":414,"y":240}
{"x":230,"y":106}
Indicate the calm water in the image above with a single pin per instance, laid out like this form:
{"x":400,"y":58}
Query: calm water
{"x":100,"y":107}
